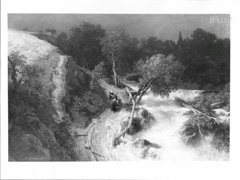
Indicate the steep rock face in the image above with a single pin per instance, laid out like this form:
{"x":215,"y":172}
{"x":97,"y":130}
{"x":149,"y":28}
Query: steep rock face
{"x":48,"y":132}
{"x":77,"y":86}
{"x":40,"y":136}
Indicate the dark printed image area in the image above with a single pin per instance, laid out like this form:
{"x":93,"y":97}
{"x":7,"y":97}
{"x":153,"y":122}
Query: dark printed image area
{"x":89,"y":87}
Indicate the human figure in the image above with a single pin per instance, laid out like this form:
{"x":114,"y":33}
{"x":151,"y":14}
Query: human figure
{"x":112,"y":96}
{"x":114,"y":101}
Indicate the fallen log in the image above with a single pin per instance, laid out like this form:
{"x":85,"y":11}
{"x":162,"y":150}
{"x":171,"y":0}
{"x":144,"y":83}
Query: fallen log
{"x":194,"y":110}
{"x":116,"y":139}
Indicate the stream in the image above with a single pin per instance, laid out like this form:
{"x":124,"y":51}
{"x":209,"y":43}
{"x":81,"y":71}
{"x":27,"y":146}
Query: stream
{"x":165,"y":132}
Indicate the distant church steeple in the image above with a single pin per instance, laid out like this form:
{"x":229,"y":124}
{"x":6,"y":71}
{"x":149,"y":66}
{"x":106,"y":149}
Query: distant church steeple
{"x":180,"y":40}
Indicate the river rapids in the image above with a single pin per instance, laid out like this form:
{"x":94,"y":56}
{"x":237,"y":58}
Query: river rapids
{"x":165,"y":132}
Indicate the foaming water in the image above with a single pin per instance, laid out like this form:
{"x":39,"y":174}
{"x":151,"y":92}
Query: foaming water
{"x":166,"y":131}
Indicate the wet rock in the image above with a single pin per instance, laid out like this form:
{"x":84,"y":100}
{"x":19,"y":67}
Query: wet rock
{"x":221,"y":137}
{"x":141,"y":143}
{"x":143,"y":120}
{"x":147,"y":148}
{"x":148,"y":118}
{"x":136,"y":126}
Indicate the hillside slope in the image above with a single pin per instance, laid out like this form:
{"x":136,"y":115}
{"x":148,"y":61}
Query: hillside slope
{"x":45,"y":136}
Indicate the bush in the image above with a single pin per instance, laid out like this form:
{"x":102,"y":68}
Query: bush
{"x":88,"y":104}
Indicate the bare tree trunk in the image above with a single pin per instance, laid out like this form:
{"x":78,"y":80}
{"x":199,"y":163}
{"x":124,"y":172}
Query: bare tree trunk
{"x":116,"y":139}
{"x":114,"y":72}
{"x":144,"y":89}
{"x":91,"y":85}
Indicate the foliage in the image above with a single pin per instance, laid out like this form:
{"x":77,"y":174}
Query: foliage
{"x":46,"y":37}
{"x":206,"y":58}
{"x":62,"y":42}
{"x":24,"y":74}
{"x":165,"y":68}
{"x":25,"y":88}
{"x":203,"y":124}
{"x":188,"y":85}
{"x":121,"y":50}
{"x":30,"y":112}
{"x":114,"y":43}
{"x":206,"y":102}
{"x":199,"y":126}
{"x":85,"y":45}
{"x":97,"y":73}
{"x":52,"y":31}
{"x":152,"y":45}
{"x":87,"y":104}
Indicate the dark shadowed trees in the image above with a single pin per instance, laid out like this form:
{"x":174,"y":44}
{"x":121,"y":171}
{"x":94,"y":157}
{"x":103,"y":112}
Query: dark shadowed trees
{"x":153,"y":45}
{"x":206,"y":59}
{"x":85,"y":45}
{"x":62,"y":42}
{"x":52,"y":31}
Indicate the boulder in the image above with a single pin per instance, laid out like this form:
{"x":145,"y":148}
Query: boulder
{"x":142,"y":121}
{"x":147,"y":148}
{"x":30,"y":148}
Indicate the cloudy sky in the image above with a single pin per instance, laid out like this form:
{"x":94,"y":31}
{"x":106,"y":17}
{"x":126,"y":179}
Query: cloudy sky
{"x":141,"y":26}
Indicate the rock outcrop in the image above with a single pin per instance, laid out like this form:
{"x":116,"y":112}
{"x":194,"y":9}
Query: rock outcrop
{"x":48,"y":133}
{"x":44,"y":134}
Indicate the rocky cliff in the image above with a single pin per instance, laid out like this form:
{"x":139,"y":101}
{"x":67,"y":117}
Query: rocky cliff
{"x":47,"y":132}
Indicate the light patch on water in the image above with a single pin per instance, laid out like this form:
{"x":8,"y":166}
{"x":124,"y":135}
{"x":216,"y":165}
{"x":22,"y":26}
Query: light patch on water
{"x":166,"y":132}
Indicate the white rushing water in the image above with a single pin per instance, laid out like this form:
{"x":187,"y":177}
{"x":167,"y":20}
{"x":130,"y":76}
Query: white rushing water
{"x":166,"y":131}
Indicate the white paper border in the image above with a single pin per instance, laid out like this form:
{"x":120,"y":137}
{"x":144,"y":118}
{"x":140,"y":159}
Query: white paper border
{"x":123,"y":170}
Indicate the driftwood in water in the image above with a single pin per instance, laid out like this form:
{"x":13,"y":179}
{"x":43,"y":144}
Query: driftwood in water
{"x":135,"y":97}
{"x":194,"y":110}
{"x":116,"y":139}
{"x":143,"y":89}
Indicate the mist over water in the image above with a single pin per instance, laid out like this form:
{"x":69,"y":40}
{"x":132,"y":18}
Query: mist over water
{"x":170,"y":119}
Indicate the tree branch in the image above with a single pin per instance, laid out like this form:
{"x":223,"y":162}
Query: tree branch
{"x":116,"y":139}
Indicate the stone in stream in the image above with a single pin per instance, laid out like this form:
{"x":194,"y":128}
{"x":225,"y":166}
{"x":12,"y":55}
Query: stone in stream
{"x":147,"y":148}
{"x":143,"y":120}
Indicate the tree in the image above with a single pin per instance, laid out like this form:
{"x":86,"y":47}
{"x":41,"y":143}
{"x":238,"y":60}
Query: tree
{"x":150,"y":46}
{"x":180,"y":41}
{"x":206,"y":59}
{"x":16,"y":64}
{"x":22,"y":73}
{"x":85,"y":47}
{"x":25,"y":88}
{"x":97,"y":73}
{"x":153,"y":45}
{"x":164,"y":69}
{"x":52,"y":31}
{"x":114,"y":45}
{"x":62,"y":42}
{"x":25,"y":29}
{"x":32,"y":82}
{"x":130,"y":55}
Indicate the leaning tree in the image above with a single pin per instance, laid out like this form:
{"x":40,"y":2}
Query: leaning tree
{"x":162,"y":74}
